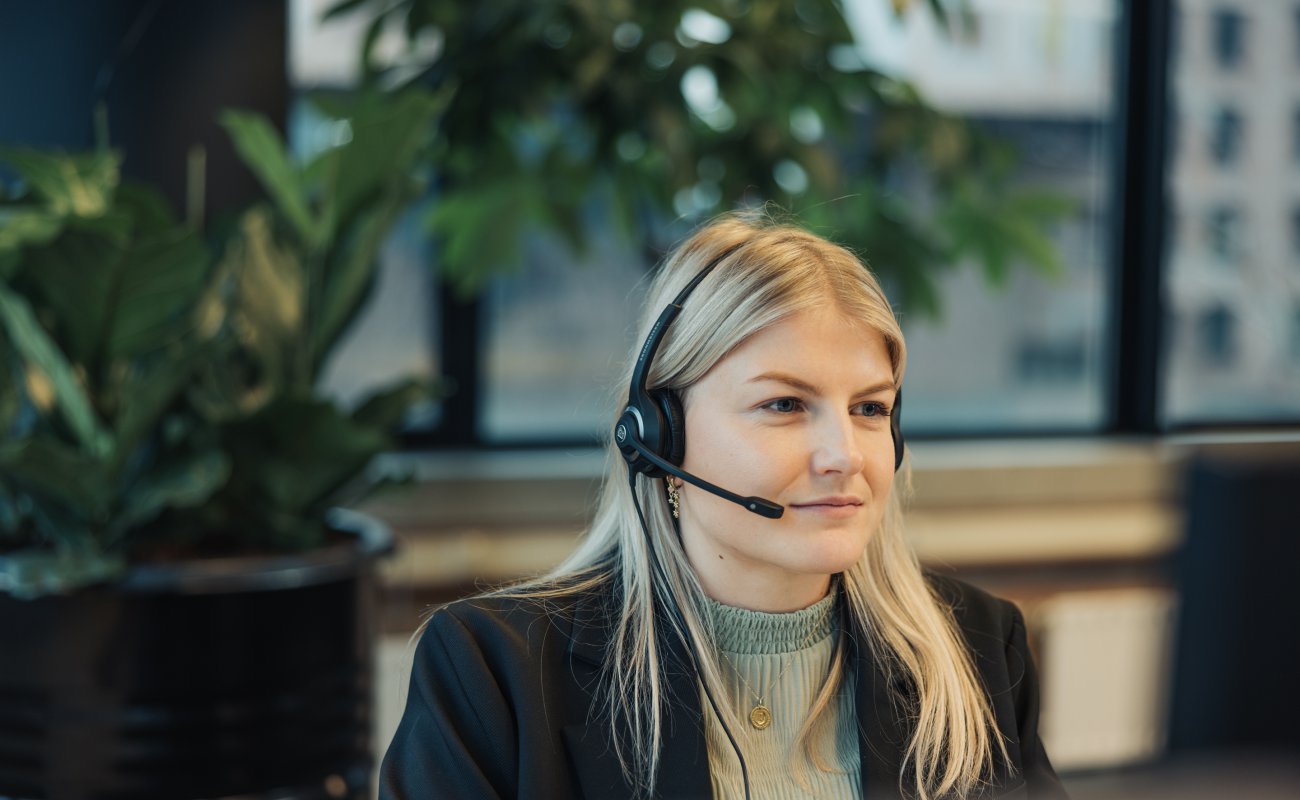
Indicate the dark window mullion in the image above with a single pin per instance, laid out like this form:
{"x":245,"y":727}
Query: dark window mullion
{"x":458,"y":336}
{"x":1139,"y":208}
{"x":460,"y":322}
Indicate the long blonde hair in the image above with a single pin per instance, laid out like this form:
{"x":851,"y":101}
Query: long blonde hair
{"x":773,"y":271}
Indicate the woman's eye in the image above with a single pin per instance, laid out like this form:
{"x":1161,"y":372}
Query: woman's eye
{"x":873,"y":409}
{"x":783,"y":405}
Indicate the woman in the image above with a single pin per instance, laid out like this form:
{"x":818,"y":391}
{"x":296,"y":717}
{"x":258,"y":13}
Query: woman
{"x":781,"y":641}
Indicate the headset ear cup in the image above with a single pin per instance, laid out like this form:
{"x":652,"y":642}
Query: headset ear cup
{"x":673,"y":434}
{"x":896,"y":429}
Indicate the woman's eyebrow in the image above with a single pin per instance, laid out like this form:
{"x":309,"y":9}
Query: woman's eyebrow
{"x":804,"y":386}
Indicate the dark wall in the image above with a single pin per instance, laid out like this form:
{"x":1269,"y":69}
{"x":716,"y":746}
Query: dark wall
{"x":165,"y":69}
{"x":1237,"y":648}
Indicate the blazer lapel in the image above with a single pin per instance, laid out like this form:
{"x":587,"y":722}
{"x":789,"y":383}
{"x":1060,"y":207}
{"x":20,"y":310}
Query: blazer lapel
{"x":883,"y":733}
{"x":882,"y":736}
{"x":683,"y":759}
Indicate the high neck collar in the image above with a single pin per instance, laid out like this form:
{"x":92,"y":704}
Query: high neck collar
{"x":739,"y":630}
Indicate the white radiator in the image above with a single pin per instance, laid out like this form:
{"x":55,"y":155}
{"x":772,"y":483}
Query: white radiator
{"x":1105,"y":660}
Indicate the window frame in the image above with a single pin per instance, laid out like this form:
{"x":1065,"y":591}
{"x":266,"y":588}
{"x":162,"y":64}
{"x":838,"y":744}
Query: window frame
{"x":1137,"y":314}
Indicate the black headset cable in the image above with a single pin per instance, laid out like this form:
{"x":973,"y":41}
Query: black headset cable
{"x":691,"y":645}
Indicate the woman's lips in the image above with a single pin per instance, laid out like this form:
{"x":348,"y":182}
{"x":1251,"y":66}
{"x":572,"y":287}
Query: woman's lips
{"x":832,"y":507}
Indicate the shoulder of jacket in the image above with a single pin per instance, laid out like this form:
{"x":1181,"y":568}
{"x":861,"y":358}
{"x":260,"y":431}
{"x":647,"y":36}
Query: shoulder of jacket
{"x":493,"y":611}
{"x":975,"y":609}
{"x":523,"y":614}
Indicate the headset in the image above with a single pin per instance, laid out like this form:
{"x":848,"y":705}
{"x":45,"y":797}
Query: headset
{"x":651,"y":431}
{"x":651,"y":435}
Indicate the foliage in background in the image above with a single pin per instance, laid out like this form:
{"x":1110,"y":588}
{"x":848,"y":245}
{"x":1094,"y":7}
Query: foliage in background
{"x":157,"y":389}
{"x":685,"y":108}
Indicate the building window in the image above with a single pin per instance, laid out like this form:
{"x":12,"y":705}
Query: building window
{"x":1226,"y":137}
{"x":1295,"y":333}
{"x":1295,"y":29}
{"x":1229,"y":32}
{"x":1224,"y":231}
{"x":1216,"y":331}
{"x":1295,"y":233}
{"x":1295,"y":129}
{"x":1052,"y":361}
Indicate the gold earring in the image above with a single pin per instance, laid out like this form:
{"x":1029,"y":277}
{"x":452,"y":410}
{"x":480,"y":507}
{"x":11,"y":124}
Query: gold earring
{"x":674,"y":499}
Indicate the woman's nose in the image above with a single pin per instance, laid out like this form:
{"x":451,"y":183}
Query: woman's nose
{"x":837,"y":448}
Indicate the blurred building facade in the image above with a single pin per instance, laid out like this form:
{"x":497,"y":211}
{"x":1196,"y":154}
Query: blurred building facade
{"x":1041,"y":75}
{"x":1030,"y":354}
{"x":1037,"y":354}
{"x":1233,"y":235}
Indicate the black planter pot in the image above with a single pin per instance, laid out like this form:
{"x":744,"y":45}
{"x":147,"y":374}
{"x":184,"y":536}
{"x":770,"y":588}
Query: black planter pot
{"x":244,"y":677}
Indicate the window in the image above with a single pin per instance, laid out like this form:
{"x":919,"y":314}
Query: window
{"x":396,"y":334}
{"x":1295,"y":32}
{"x":545,"y":343}
{"x":1043,"y":361}
{"x":1295,"y":135}
{"x":1295,"y":235}
{"x":1226,"y":284}
{"x":1024,"y":356}
{"x":558,"y":336}
{"x":1295,"y":332}
{"x":1226,"y":137}
{"x":1229,"y":32}
{"x":1224,"y":232}
{"x":1216,"y":333}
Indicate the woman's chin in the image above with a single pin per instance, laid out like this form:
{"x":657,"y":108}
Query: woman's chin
{"x":837,"y":554}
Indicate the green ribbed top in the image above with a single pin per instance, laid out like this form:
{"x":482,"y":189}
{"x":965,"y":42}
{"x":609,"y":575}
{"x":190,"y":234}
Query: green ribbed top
{"x":758,"y":647}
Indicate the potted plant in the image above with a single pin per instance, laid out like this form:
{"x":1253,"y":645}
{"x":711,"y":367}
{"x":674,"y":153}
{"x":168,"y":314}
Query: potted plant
{"x":184,"y":609}
{"x":569,"y":118}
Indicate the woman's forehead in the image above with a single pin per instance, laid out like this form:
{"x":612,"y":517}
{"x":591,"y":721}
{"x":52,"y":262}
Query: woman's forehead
{"x":819,"y":347}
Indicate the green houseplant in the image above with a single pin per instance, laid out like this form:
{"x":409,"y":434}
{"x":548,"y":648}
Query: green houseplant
{"x":561,"y":112}
{"x":160,"y":388}
{"x":168,"y":551}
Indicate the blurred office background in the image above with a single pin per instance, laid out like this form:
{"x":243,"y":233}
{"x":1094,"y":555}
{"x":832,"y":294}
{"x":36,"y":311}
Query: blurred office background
{"x":1105,"y":446}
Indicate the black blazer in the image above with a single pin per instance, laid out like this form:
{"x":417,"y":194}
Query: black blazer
{"x":501,"y":693}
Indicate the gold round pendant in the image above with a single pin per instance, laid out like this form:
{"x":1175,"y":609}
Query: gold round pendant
{"x":760,"y":717}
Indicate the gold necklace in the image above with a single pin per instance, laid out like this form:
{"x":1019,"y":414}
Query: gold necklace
{"x":759,"y":716}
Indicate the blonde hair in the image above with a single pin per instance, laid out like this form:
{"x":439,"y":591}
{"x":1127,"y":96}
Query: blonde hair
{"x":774,"y":270}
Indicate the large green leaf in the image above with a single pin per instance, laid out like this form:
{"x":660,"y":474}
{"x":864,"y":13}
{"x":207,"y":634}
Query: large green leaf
{"x":10,"y":517}
{"x":159,"y":280}
{"x":70,"y":185}
{"x":385,"y":133}
{"x":181,"y":482}
{"x":24,"y":225}
{"x":260,"y":146}
{"x":385,"y":409}
{"x":61,"y":476}
{"x":479,"y":228}
{"x":9,"y":398}
{"x":118,"y":300}
{"x":349,"y":275}
{"x":296,"y":450}
{"x":147,"y":209}
{"x":1007,"y":228}
{"x":44,"y":362}
{"x":271,"y":281}
{"x":270,"y":302}
{"x":149,"y":387}
{"x":74,"y":277}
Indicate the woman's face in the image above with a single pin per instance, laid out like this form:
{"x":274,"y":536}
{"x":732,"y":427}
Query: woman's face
{"x":796,"y":414}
